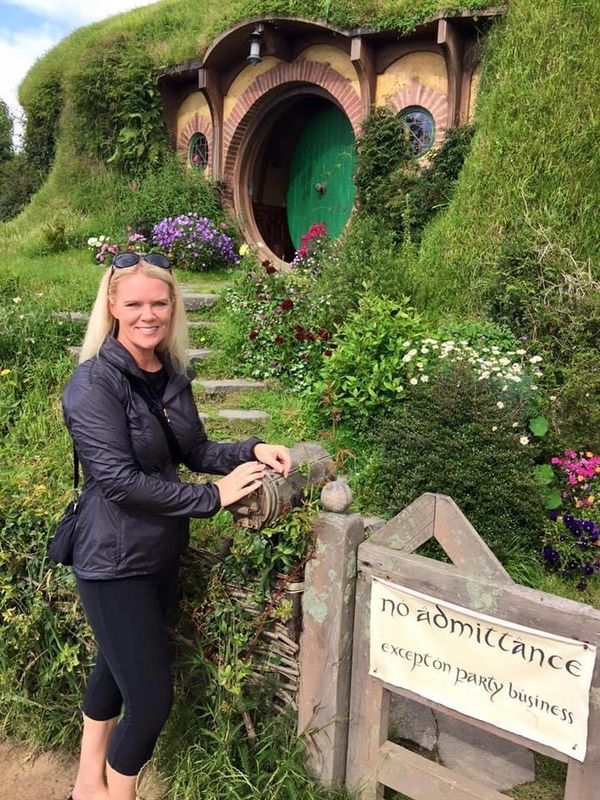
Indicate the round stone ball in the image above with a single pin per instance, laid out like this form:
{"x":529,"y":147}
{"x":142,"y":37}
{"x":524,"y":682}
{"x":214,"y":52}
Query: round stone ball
{"x":336,"y":496}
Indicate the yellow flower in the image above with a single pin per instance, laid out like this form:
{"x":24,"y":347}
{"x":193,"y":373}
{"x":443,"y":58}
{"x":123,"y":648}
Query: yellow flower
{"x":591,"y":499}
{"x":4,"y":373}
{"x":588,"y":454}
{"x":244,"y":249}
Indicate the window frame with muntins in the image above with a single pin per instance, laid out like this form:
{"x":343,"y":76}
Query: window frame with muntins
{"x":193,"y":150}
{"x":406,"y":112}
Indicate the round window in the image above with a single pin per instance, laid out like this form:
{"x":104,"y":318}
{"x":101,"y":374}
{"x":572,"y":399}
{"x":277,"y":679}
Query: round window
{"x":421,"y":129}
{"x":198,"y":151}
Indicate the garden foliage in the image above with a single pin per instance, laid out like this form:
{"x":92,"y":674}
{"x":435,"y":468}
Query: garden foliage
{"x":464,"y":437}
{"x":277,"y":324}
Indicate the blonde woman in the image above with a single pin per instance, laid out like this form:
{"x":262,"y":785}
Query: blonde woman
{"x":130,"y":411}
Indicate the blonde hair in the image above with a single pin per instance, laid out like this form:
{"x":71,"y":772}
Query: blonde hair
{"x":103,"y":324}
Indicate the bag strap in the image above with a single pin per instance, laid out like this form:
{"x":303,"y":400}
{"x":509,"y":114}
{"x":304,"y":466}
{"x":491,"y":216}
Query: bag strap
{"x":75,"y":475}
{"x":159,"y":411}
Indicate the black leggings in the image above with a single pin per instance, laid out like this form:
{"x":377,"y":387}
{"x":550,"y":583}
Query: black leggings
{"x":132,"y":668}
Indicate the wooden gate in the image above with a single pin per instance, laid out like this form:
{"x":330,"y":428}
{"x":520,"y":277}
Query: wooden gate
{"x":476,"y":581}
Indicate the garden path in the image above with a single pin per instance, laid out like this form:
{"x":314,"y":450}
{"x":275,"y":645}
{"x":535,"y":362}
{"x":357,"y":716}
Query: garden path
{"x":28,"y":775}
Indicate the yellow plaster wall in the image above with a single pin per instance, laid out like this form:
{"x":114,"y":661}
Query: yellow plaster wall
{"x":428,"y":68}
{"x":337,"y":60}
{"x":474,"y":92}
{"x":194,"y":103}
{"x":243,"y":80}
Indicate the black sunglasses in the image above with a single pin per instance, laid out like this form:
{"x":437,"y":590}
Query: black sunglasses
{"x":122,"y":260}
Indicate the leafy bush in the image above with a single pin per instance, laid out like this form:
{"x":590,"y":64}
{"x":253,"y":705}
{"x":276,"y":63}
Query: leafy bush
{"x":383,"y":166}
{"x":434,"y":185}
{"x":454,"y":435}
{"x":195,"y":242}
{"x":368,"y":367}
{"x":278,"y":324}
{"x":168,"y":191}
{"x":365,"y":253}
{"x":117,"y":112}
{"x":576,"y":415}
{"x":18,"y":182}
{"x":6,"y":132}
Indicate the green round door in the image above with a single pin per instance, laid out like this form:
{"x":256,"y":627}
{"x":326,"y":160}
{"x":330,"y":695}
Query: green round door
{"x":321,"y":185}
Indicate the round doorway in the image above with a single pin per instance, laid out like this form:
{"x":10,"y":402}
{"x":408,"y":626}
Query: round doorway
{"x":302,"y":172}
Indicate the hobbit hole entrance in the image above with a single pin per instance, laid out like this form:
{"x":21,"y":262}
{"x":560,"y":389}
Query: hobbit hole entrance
{"x":302,"y":172}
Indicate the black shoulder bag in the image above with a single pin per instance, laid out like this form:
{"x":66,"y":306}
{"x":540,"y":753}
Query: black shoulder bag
{"x":61,"y":545}
{"x":60,"y":548}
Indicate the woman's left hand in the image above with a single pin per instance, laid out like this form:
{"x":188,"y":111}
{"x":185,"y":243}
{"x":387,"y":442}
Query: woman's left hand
{"x":274,"y":455}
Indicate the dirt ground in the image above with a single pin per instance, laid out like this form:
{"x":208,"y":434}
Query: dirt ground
{"x":24,"y":776}
{"x":44,"y":776}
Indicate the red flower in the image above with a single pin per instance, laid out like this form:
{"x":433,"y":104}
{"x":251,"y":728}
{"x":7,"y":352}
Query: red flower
{"x":287,"y":305}
{"x":253,"y":334}
{"x":270,"y":269}
{"x":299,"y":332}
{"x":279,"y":340}
{"x":327,"y":353}
{"x":324,"y":334}
{"x":265,"y":263}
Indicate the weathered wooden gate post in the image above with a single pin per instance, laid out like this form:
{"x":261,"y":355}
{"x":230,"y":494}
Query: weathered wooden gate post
{"x":326,"y":640}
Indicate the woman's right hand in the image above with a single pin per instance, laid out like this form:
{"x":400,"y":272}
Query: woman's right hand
{"x":242,"y":481}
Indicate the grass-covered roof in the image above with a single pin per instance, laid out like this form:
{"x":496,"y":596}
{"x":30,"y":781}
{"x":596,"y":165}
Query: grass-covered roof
{"x":524,"y":211}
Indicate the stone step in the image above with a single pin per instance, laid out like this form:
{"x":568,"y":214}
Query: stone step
{"x":228,"y":385}
{"x":74,"y":316}
{"x":194,"y":300}
{"x":240,"y":413}
{"x":78,"y":316}
{"x":237,"y":414}
{"x":201,"y":323}
{"x":195,"y":354}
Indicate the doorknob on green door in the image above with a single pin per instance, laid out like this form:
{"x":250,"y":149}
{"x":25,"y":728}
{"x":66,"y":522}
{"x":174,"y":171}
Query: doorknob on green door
{"x":321,"y":187}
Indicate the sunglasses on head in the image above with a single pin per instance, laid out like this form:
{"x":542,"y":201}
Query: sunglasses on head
{"x":122,"y":260}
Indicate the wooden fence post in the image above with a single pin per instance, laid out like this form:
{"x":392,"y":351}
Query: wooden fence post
{"x":326,"y":639}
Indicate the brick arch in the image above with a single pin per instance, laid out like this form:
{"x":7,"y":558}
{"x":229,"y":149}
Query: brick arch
{"x":416,"y":94}
{"x":197,"y":124}
{"x":250,"y":104}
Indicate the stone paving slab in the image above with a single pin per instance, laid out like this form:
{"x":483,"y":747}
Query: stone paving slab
{"x":74,"y":316}
{"x":228,"y":385}
{"x":199,"y":355}
{"x":239,"y":413}
{"x":79,"y":316}
{"x":195,"y":355}
{"x":194,"y":300}
{"x":202,"y":323}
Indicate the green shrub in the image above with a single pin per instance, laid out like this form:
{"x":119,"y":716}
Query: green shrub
{"x":576,"y":413}
{"x":434,"y":185}
{"x":366,"y":253}
{"x":276,"y":325}
{"x":450,"y":436}
{"x":18,"y":182}
{"x":6,"y":132}
{"x":368,"y":367}
{"x":117,"y":115}
{"x":44,"y":103}
{"x":384,"y":167}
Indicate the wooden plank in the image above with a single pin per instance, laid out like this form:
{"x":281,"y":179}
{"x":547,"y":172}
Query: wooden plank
{"x":369,"y":706}
{"x":422,"y":779}
{"x":583,"y":780}
{"x":326,"y":644}
{"x":510,"y":602}
{"x":411,"y":528}
{"x":462,"y":543}
{"x":479,"y":724}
